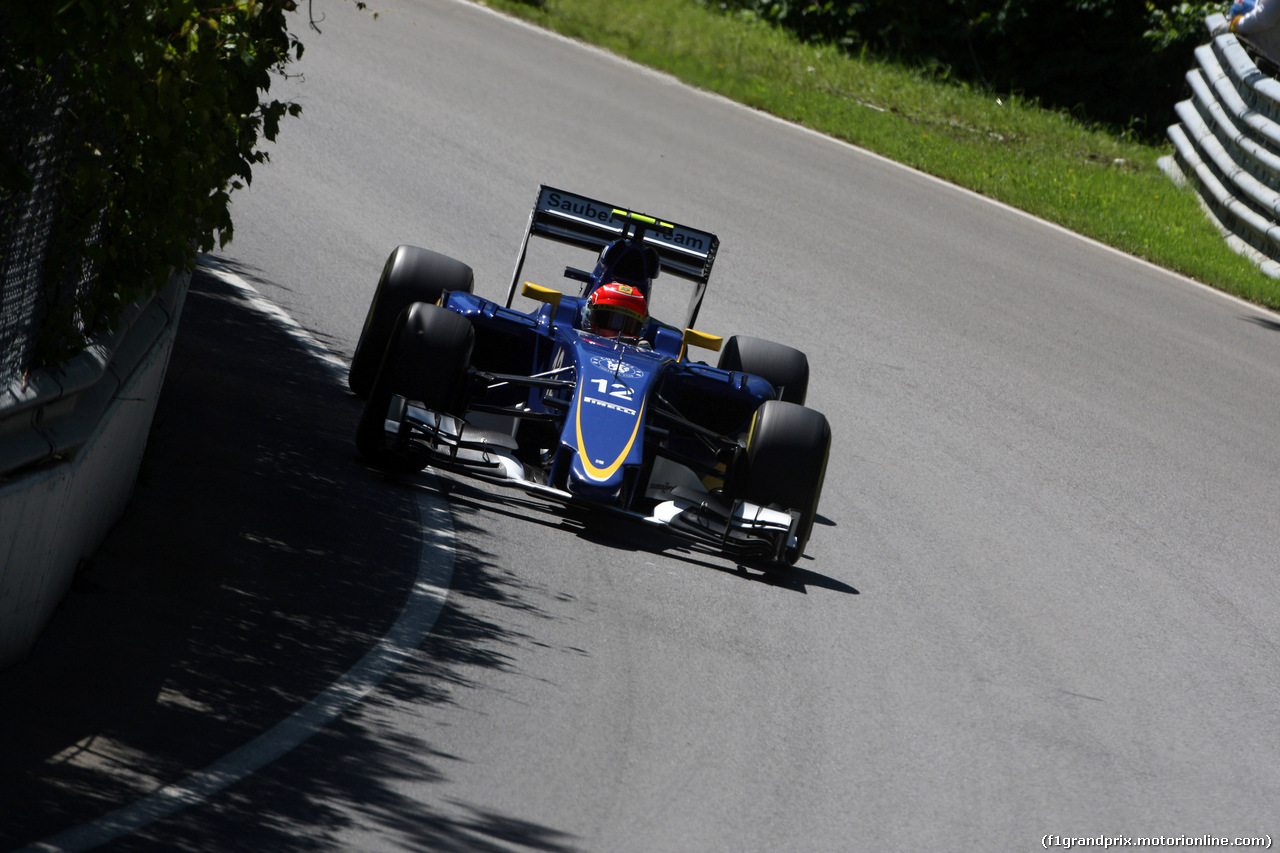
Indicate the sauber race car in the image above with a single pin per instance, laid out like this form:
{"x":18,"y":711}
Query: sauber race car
{"x":589,"y":398}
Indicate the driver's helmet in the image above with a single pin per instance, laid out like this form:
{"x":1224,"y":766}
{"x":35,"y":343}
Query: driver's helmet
{"x":616,"y":311}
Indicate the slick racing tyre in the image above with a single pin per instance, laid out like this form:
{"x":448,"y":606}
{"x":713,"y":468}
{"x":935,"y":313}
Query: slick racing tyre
{"x":410,"y":275}
{"x":785,"y":368}
{"x":786,"y":462}
{"x":426,"y":360}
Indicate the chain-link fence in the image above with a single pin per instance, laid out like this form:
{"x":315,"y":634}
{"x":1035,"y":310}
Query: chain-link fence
{"x":34,"y":122}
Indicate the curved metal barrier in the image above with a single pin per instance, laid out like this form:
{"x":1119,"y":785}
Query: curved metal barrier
{"x":1227,"y":143}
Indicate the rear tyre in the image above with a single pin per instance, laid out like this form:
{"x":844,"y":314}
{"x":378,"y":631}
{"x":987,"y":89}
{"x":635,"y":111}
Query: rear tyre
{"x":410,"y":275}
{"x":426,"y":359}
{"x":785,"y":368}
{"x":786,"y":463}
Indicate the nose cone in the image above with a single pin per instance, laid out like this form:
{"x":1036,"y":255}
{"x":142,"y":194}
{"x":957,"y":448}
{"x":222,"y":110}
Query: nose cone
{"x":604,"y":432}
{"x":583,"y":485}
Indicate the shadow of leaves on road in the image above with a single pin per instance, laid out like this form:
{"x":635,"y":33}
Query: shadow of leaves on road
{"x":257,"y":561}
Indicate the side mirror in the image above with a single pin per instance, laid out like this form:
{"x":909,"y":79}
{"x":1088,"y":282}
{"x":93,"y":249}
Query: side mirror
{"x":542,"y":294}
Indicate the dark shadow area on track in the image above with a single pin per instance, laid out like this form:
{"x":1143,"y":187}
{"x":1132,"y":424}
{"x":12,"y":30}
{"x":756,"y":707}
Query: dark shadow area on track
{"x":627,"y":534}
{"x":349,"y":775}
{"x":1264,"y":322}
{"x":257,"y":561}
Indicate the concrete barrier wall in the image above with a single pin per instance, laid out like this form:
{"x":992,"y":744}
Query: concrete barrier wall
{"x":1227,"y":144}
{"x":70,"y":447}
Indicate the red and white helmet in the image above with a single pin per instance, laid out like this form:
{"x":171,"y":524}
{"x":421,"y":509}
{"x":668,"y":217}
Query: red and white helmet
{"x":617,"y":311}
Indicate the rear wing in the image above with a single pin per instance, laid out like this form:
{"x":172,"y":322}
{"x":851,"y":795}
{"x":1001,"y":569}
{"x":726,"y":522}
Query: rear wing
{"x":590,"y":224}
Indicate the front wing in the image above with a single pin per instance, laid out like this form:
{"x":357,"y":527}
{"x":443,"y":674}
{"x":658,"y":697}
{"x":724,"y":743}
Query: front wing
{"x":682,"y":506}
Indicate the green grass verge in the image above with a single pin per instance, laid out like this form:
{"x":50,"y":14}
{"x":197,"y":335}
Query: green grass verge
{"x":1091,"y":181}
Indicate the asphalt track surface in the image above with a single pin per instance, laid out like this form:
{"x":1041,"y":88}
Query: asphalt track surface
{"x":1041,"y":599}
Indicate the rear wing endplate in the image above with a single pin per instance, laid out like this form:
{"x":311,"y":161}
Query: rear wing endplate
{"x":589,"y":224}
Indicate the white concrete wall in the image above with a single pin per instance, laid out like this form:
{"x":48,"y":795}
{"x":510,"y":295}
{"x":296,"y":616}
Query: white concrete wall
{"x":55,"y":514}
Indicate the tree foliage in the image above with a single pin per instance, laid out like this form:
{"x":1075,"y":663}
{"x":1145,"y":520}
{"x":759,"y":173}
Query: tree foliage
{"x":161,"y":105}
{"x":1117,"y":62}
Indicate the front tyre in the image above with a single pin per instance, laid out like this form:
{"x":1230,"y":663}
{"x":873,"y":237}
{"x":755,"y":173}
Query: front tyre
{"x":784,"y":367}
{"x":410,"y":275}
{"x":426,"y":359}
{"x":786,"y":463}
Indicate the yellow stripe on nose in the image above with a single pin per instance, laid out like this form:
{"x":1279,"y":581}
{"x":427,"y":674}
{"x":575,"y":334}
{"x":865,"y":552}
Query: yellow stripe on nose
{"x":594,"y":472}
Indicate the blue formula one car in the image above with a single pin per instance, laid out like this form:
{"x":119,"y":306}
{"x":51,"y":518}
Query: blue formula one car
{"x":589,"y":398}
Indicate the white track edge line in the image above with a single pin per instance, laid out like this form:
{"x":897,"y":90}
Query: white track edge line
{"x":416,"y":619}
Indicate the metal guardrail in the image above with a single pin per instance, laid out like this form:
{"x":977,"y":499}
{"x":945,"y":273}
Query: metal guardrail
{"x":1227,"y":144}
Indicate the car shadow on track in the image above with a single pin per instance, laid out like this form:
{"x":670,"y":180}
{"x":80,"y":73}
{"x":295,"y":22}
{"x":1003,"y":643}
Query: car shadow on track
{"x":254,"y":565}
{"x":603,"y":528}
{"x":1264,"y":322}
